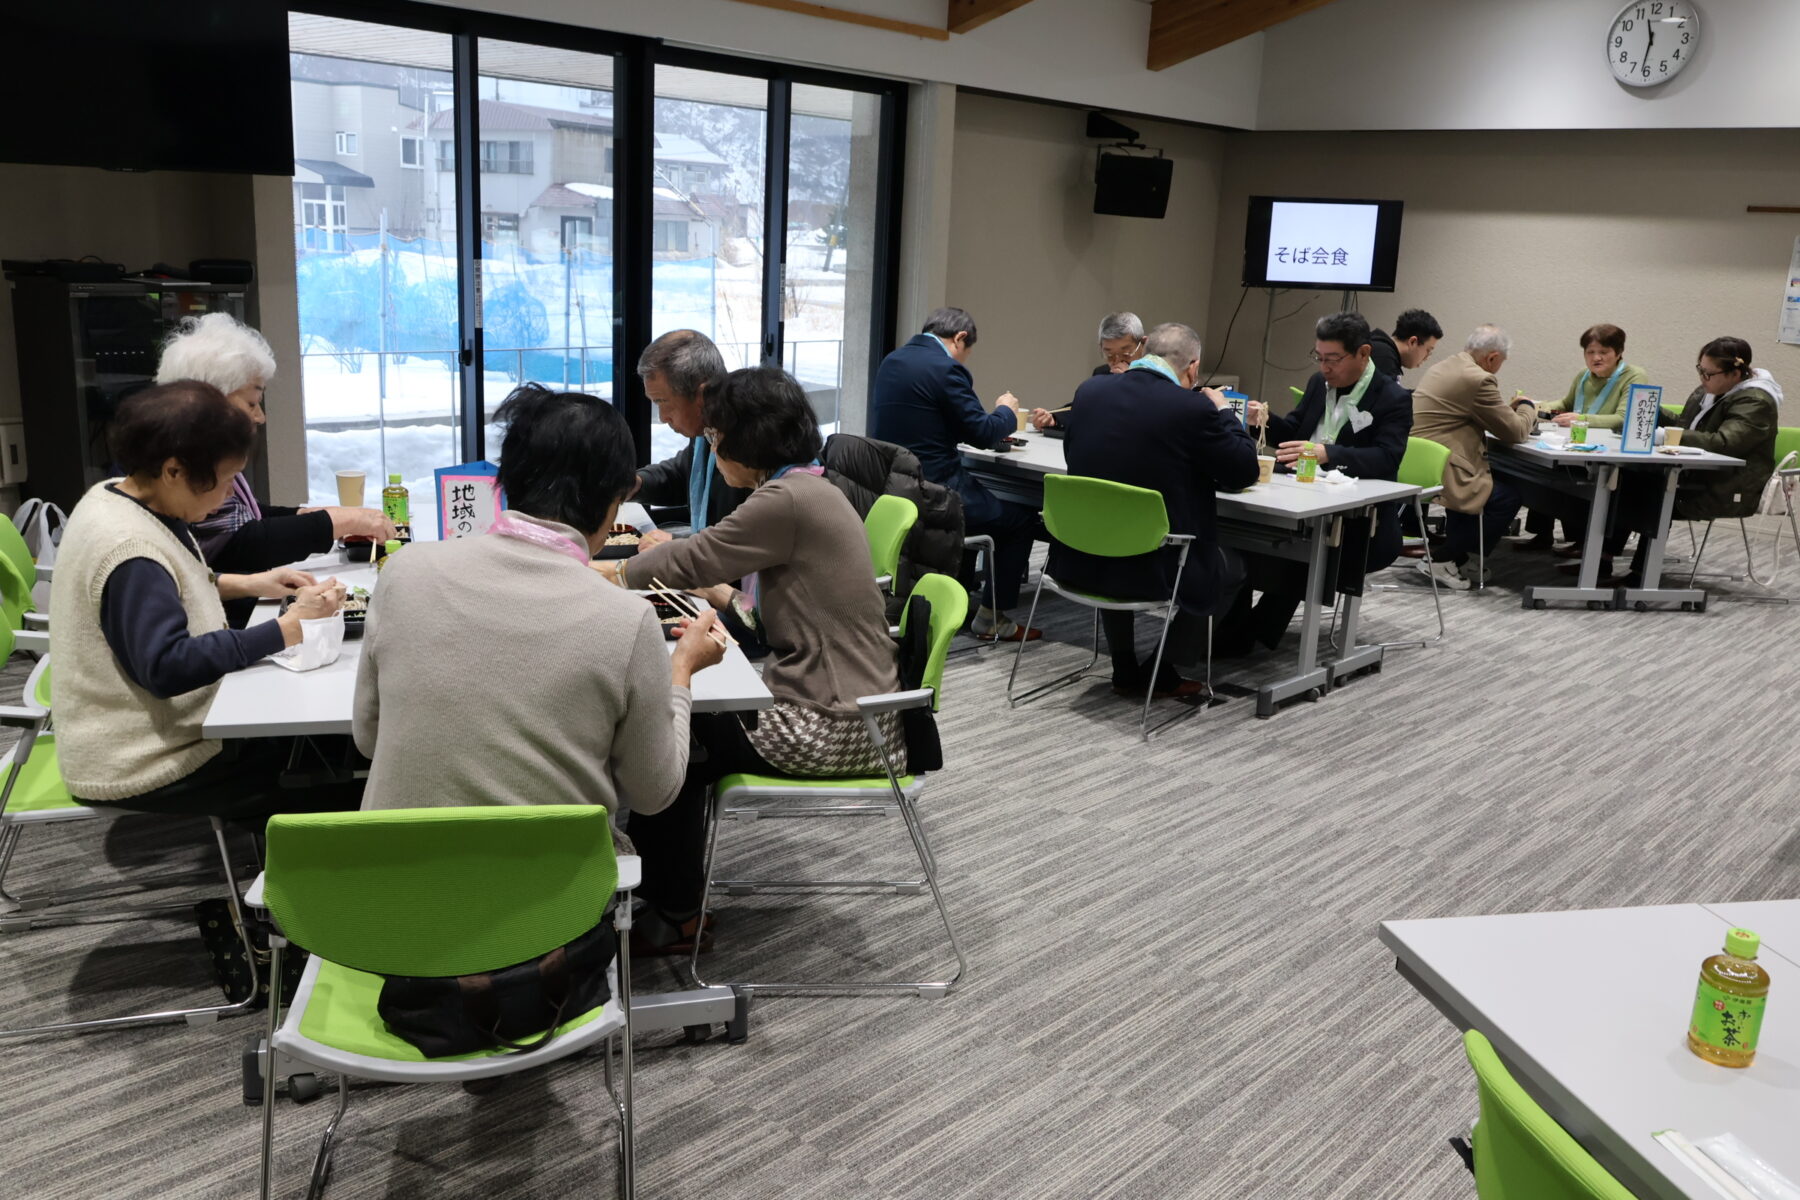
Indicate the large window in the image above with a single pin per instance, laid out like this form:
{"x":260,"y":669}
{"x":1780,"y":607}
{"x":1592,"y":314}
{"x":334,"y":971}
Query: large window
{"x":375,"y":259}
{"x":481,"y":201}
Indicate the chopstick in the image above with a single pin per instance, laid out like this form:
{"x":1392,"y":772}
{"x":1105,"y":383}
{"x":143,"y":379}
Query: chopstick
{"x":1065,"y":408}
{"x":689,"y":608}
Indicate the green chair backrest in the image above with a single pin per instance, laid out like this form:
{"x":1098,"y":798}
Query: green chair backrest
{"x":39,"y":683}
{"x":14,"y":550}
{"x":1299,"y":393}
{"x":949,"y":609}
{"x":15,"y":589}
{"x":1787,"y":441}
{"x":1520,"y":1152}
{"x":1100,"y":517}
{"x":439,"y":891}
{"x":1423,"y":464}
{"x":889,"y":521}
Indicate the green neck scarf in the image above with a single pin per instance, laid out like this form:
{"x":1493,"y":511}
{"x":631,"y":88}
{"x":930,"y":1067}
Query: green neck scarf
{"x":1338,"y":411}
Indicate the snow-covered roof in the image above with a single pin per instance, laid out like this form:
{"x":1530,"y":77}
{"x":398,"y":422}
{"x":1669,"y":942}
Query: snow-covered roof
{"x":673,"y":147}
{"x":593,"y":191}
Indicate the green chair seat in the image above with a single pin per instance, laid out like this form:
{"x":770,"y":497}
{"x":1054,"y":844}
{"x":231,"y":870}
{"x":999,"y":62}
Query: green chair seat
{"x":340,"y":1014}
{"x":1521,"y":1153}
{"x":40,"y":794}
{"x":788,"y":784}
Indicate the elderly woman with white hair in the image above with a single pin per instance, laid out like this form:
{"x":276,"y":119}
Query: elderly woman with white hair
{"x":244,"y":536}
{"x":1458,"y":404}
{"x":1121,"y":344}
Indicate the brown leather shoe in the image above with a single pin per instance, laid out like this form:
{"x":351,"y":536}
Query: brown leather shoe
{"x":642,"y":945}
{"x":1572,"y":550}
{"x":1020,"y":633}
{"x":1185,"y":690}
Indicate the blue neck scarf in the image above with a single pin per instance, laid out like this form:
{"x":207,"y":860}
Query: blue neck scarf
{"x":700,"y":480}
{"x":1152,"y":362}
{"x":1586,"y":408}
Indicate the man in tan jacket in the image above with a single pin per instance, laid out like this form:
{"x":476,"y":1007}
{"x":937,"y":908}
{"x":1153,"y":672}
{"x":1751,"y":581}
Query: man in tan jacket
{"x":1457,"y":405}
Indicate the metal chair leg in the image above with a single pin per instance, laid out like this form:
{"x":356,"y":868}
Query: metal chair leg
{"x":1013,"y":701}
{"x":322,"y":1161}
{"x":276,"y":944}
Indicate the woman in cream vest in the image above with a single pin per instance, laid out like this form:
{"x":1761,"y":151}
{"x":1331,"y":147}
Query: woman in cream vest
{"x":138,"y":632}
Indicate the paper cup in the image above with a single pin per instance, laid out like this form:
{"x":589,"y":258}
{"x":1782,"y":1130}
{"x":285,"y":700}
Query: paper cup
{"x":1265,"y":468}
{"x":350,"y":488}
{"x":1024,"y":415}
{"x":1672,"y":436}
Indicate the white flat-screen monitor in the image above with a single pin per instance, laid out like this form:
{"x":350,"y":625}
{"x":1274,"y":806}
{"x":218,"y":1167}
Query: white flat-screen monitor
{"x":1336,"y":245}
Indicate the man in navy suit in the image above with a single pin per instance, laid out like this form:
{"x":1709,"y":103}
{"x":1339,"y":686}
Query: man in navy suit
{"x":924,"y":399}
{"x":1359,"y":420}
{"x":1148,"y":427}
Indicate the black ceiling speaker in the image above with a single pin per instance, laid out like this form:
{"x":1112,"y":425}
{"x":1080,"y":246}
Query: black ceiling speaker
{"x":1106,"y":129}
{"x":1129,"y":185}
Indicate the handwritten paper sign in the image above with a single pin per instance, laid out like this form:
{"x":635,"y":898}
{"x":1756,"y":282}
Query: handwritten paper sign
{"x":468,"y":500}
{"x":1642,"y":410}
{"x":1240,"y":404}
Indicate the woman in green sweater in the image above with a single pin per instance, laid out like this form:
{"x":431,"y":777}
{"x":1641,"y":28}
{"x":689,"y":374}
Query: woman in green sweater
{"x":1598,"y":393}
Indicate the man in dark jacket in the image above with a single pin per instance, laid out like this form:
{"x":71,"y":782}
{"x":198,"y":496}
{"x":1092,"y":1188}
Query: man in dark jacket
{"x":1358,"y":419}
{"x":1416,"y":334}
{"x":1146,"y":427}
{"x":865,"y":470}
{"x":924,"y":399}
{"x":678,"y":368}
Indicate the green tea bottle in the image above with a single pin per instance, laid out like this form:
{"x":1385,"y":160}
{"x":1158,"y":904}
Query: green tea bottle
{"x":395,"y":502}
{"x":1728,"y":1006}
{"x":1306,"y":470}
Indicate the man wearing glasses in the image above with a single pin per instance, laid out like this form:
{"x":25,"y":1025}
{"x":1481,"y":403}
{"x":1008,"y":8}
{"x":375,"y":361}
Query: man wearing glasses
{"x":1121,"y":344}
{"x":1359,"y":420}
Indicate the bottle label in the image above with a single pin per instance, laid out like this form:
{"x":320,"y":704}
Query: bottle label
{"x":395,"y":507}
{"x":1578,"y":433}
{"x":1306,"y":469}
{"x":1725,"y":1021}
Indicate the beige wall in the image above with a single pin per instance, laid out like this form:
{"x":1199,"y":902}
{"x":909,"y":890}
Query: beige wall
{"x":1038,"y":269}
{"x":1545,"y":233}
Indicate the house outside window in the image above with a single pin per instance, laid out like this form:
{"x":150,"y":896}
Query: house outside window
{"x":412,"y":153}
{"x":506,"y":158}
{"x":346,"y":142}
{"x":670,"y":236}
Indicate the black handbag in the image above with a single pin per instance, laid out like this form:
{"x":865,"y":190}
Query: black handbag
{"x":463,"y":1014}
{"x":924,"y":752}
{"x":235,"y":975}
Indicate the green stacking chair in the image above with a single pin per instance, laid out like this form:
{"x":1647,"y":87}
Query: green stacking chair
{"x":1422,"y":467}
{"x":748,"y":796}
{"x":436,"y":892}
{"x":18,"y":556}
{"x":1520,"y":1152}
{"x":1787,"y":468}
{"x":890,"y":520}
{"x":1110,"y":520}
{"x":34,"y":797}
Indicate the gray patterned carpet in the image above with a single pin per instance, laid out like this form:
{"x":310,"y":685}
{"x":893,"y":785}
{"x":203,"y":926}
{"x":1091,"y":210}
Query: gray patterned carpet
{"x":1176,"y":987}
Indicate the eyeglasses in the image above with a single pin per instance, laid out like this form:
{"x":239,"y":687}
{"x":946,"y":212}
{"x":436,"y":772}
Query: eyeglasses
{"x":1329,"y":360}
{"x":1706,"y":374}
{"x":1124,"y":356}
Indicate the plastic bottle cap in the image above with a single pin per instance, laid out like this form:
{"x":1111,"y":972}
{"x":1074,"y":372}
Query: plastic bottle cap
{"x":1742,"y":943}
{"x":394,"y":478}
{"x":393,"y":546}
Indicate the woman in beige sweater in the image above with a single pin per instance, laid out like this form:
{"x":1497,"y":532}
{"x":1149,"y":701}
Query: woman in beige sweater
{"x":806,"y":589}
{"x":498,"y":670}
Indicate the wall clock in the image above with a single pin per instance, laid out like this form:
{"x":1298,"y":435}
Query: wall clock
{"x":1652,"y":41}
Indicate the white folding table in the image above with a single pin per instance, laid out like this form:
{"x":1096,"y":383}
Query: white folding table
{"x":1589,"y":1010}
{"x":1548,"y":462}
{"x":1283,"y":517}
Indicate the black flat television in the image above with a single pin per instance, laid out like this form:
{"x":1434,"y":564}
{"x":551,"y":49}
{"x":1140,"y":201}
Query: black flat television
{"x":196,"y":86}
{"x":1330,"y":245}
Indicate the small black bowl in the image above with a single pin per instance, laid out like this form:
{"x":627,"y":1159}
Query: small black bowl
{"x":359,"y":550}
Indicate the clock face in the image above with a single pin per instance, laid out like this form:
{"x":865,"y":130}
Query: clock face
{"x":1650,"y":41}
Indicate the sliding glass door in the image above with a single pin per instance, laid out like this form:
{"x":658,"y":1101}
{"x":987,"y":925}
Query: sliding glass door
{"x":483,"y":201}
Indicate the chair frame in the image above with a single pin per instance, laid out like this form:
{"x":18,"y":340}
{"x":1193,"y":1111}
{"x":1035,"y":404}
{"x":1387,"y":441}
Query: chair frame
{"x":983,"y":544}
{"x":1785,"y":473}
{"x":1164,"y":609}
{"x":292,"y":1047}
{"x":1419,"y":502}
{"x":33,"y":720}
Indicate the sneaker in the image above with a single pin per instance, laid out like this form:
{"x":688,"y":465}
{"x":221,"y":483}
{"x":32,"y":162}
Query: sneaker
{"x":990,"y":626}
{"x":1449,"y":575}
{"x":1537,"y":543}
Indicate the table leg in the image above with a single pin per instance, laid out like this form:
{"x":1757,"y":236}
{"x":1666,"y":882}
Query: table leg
{"x":1651,"y":590}
{"x":1587,"y":587}
{"x":1311,"y":678}
{"x":1353,"y":659}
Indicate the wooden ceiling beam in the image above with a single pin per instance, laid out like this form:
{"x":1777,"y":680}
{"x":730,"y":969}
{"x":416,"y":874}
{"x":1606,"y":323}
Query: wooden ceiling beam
{"x":1184,"y":29}
{"x":853,"y":18}
{"x":965,"y":15}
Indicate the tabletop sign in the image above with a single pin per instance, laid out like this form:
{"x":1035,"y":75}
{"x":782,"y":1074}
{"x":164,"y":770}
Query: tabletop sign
{"x":468,"y":499}
{"x":1643,"y":408}
{"x":1240,"y":404}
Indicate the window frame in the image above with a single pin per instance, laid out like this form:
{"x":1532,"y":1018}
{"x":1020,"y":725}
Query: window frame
{"x":631,"y":157}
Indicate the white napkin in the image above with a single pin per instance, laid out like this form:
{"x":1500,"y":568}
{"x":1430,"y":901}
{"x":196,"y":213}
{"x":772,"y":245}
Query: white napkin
{"x":1746,"y":1167}
{"x":321,"y":641}
{"x":1335,"y":477}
